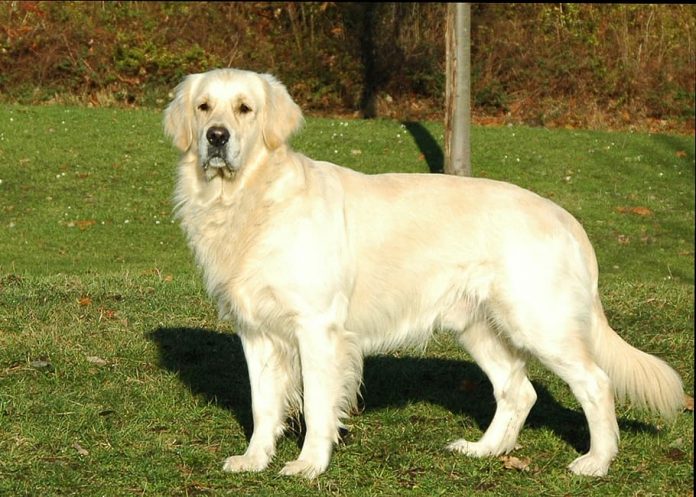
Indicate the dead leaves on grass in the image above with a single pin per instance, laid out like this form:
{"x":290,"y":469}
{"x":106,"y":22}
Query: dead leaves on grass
{"x":41,"y":364}
{"x":638,"y":211}
{"x":512,"y":462}
{"x":80,"y":450}
{"x":84,"y":301}
{"x":97,"y":361}
{"x":82,"y":224}
{"x":623,"y":239}
{"x":104,"y":313}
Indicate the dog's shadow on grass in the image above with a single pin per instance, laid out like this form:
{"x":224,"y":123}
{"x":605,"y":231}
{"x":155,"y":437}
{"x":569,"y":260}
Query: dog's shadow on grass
{"x":212,"y":365}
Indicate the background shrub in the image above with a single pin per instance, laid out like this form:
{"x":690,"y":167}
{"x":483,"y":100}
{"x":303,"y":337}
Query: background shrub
{"x":550,"y":64}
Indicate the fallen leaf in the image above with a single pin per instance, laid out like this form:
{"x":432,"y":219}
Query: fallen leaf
{"x":40,"y":364}
{"x":623,"y":240}
{"x":688,"y":403}
{"x":107,"y":313}
{"x":640,"y":211}
{"x":512,"y":462}
{"x":97,"y":361}
{"x":85,"y":223}
{"x":84,"y":300}
{"x":680,"y":153}
{"x":675,"y":454}
{"x":80,"y":450}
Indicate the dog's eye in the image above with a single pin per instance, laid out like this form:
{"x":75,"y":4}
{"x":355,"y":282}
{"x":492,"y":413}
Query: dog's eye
{"x":244,"y":109}
{"x":204,"y":107}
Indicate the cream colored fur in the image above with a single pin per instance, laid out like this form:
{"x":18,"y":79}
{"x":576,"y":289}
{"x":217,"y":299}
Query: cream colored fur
{"x":320,"y":265}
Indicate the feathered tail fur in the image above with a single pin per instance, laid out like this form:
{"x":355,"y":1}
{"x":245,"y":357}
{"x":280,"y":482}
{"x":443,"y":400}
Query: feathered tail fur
{"x":641,"y":378}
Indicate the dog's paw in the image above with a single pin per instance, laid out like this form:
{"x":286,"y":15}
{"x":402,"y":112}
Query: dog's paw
{"x":238,"y":464}
{"x":590,"y":465}
{"x":300,"y":467}
{"x":473,"y":449}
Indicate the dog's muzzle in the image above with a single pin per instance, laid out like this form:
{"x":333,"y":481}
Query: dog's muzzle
{"x":216,"y":161}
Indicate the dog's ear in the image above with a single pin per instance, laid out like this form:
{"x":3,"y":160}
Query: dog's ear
{"x":178,"y":115}
{"x":281,"y":116}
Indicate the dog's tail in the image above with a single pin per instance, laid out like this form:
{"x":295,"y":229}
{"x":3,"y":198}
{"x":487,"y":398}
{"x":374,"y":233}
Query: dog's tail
{"x":643,"y":379}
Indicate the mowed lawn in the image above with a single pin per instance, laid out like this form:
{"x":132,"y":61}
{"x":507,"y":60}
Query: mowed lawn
{"x":116,"y":378}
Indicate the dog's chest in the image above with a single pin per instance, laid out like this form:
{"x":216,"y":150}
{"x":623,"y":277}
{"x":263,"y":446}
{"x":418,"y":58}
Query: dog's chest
{"x":228,"y":244}
{"x":221,"y":235}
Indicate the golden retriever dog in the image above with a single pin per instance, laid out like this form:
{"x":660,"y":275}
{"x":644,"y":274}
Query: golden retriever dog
{"x":319,"y":266}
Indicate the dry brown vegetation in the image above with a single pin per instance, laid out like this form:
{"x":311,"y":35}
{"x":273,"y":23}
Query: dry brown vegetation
{"x":599,"y":65}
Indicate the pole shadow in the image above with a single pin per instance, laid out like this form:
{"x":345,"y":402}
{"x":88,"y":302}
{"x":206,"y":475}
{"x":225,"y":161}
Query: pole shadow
{"x":212,"y":365}
{"x":428,"y":145}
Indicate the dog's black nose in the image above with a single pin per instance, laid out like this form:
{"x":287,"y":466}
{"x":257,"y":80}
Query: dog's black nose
{"x":217,"y":136}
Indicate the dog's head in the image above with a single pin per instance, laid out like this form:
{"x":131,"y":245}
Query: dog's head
{"x":223,"y":116}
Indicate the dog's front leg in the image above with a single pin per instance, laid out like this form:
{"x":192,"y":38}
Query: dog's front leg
{"x":274,"y":378}
{"x":325,"y":369}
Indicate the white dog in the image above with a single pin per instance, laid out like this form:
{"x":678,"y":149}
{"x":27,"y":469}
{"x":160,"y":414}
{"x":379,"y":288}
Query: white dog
{"x":320,"y":265}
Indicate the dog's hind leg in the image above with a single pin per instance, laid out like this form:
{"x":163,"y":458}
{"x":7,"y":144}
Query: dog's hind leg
{"x":592,"y":387}
{"x":274,"y":376}
{"x":552,"y":328}
{"x":514,"y":393}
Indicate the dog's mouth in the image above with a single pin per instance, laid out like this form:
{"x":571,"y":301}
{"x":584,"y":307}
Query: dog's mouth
{"x":217,"y":165}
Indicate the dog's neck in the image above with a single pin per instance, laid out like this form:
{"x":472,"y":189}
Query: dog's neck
{"x":254,"y":179}
{"x":241,"y":204}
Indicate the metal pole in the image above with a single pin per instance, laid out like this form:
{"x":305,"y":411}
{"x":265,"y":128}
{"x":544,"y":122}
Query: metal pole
{"x":458,"y":120}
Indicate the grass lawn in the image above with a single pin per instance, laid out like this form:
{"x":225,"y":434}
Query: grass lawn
{"x":116,"y":378}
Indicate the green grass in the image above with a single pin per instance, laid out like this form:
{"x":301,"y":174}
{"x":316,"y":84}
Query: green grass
{"x":117,"y":379}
